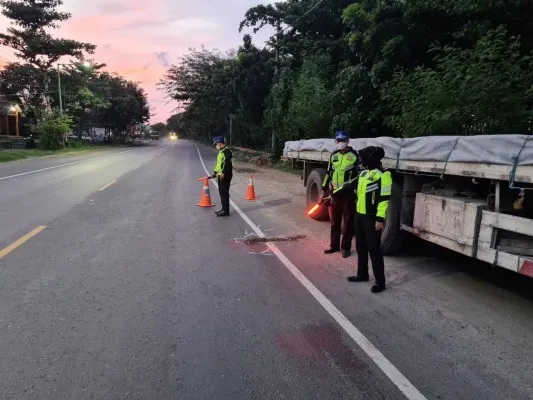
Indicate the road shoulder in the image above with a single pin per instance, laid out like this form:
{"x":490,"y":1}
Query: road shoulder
{"x":431,"y":303}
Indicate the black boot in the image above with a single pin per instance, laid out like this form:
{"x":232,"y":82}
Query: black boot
{"x":330,"y":251}
{"x":346,"y":253}
{"x":377,"y":288}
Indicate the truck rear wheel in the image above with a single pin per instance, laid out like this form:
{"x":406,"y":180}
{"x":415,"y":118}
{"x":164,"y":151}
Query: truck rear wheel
{"x":393,"y":236}
{"x":313,"y":188}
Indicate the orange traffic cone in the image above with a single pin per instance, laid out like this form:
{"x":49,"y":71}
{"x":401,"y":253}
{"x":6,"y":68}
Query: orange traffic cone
{"x":205,"y":197}
{"x":250,"y":194}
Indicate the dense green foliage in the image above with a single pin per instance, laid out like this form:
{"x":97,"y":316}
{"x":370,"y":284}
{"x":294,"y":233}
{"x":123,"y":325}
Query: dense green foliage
{"x":54,"y":130}
{"x":89,"y":95}
{"x":376,"y":68}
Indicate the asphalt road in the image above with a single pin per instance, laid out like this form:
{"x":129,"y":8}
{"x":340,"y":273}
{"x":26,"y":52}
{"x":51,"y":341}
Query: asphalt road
{"x":133,"y":292}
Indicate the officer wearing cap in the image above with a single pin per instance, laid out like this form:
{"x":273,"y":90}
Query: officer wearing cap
{"x":373,"y":188}
{"x":343,"y":166}
{"x":224,"y":172}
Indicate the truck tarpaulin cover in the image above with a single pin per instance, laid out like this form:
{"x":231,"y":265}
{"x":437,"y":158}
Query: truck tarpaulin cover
{"x":485,"y":149}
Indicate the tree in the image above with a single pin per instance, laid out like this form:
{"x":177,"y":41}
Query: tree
{"x":175,"y":124}
{"x":160,"y":128}
{"x":127,"y":104}
{"x":83,"y":97}
{"x":18,"y":82}
{"x":309,"y":111}
{"x":388,"y":67}
{"x":28,"y":36}
{"x":484,"y":90}
{"x":203,"y":82}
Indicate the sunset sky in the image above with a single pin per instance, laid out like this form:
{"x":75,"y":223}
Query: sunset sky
{"x":140,"y":39}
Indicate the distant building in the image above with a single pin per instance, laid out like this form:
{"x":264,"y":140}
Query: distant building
{"x":10,"y":115}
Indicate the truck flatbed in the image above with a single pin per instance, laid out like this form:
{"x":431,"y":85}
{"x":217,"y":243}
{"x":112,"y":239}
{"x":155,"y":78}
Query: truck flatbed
{"x":435,"y":197}
{"x":496,"y":157}
{"x":523,"y":173}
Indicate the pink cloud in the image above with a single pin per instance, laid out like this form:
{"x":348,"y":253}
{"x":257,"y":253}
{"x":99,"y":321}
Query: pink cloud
{"x":133,"y":35}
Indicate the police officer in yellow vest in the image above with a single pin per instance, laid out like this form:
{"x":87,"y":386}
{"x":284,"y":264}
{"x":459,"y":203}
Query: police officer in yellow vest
{"x":224,"y":172}
{"x":373,"y":190}
{"x":343,"y":166}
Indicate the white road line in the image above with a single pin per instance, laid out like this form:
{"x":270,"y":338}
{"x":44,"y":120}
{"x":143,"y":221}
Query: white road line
{"x":396,"y":377}
{"x":107,"y":185}
{"x":64,"y":165}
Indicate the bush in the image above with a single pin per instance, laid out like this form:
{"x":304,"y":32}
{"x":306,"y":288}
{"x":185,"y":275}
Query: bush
{"x":53,"y":131}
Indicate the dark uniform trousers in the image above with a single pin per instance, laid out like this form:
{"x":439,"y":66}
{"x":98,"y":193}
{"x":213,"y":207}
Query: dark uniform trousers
{"x":342,"y":207}
{"x":368,"y":240}
{"x":223,"y":190}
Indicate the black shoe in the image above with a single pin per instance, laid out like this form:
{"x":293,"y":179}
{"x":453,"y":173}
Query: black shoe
{"x":223,"y":214}
{"x":330,"y":251}
{"x":219,"y":212}
{"x":377,"y":288}
{"x":346,"y":253}
{"x":357,"y":278}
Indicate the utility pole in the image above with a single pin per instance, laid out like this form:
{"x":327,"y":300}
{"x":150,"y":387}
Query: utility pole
{"x":276,"y":68}
{"x":230,"y":128}
{"x":59,"y":91}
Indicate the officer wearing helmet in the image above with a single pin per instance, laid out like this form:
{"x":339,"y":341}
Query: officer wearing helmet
{"x":224,"y":172}
{"x":344,"y":165}
{"x":373,"y":188}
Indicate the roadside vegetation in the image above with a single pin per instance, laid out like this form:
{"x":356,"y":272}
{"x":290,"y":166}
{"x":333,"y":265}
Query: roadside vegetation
{"x":261,"y":159}
{"x":376,"y":68}
{"x":14,"y":155}
{"x":47,"y":66}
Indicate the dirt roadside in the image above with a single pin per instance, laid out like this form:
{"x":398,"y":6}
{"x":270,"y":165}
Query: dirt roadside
{"x":282,"y":196}
{"x":435,"y":298}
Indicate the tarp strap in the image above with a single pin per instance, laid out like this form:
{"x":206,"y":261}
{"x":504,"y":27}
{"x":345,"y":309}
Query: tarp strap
{"x":515,"y":164}
{"x":448,"y":158}
{"x":398,"y":156}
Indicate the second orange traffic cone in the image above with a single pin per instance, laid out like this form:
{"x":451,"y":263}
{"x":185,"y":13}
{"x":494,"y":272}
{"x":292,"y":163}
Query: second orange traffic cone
{"x":205,"y":197}
{"x":250,"y":193}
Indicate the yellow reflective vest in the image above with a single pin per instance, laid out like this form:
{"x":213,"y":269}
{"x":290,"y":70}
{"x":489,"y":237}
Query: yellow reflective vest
{"x":373,"y":189}
{"x":342,"y":167}
{"x":224,"y":163}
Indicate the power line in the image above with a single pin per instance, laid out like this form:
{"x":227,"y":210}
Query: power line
{"x":297,"y":20}
{"x":311,"y":9}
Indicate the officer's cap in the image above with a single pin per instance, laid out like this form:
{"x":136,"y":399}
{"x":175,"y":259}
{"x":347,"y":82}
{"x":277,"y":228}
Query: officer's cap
{"x":218,"y":139}
{"x":342,"y":136}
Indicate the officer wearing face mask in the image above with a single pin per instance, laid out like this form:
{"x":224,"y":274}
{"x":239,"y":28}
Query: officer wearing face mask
{"x":224,"y":172}
{"x":373,"y":187}
{"x":343,"y":166}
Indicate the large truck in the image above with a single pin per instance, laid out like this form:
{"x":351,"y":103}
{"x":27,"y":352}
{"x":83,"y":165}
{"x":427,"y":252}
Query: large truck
{"x":470,"y":194}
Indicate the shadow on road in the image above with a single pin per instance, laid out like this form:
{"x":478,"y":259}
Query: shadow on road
{"x":448,"y":262}
{"x":267,"y":204}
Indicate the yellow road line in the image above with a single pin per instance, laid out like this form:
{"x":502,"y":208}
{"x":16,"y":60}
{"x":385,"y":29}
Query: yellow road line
{"x":107,"y":185}
{"x":21,"y":241}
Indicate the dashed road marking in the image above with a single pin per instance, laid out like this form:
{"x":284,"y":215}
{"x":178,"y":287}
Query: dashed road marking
{"x":16,"y":244}
{"x":107,"y":185}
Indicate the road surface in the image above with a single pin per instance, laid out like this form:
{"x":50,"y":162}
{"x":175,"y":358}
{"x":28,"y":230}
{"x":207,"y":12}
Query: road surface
{"x":115,"y":285}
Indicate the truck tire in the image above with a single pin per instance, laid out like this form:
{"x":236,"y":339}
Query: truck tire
{"x":313,"y":188}
{"x":393,"y":236}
